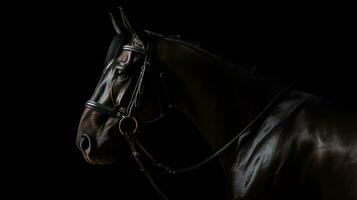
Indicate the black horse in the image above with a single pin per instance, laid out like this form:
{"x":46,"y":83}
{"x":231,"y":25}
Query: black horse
{"x":273,"y":142}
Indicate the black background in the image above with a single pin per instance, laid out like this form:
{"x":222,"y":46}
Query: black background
{"x":56,"y":51}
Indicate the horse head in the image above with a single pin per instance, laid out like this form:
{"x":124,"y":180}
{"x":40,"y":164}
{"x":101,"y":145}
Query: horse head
{"x":119,"y":103}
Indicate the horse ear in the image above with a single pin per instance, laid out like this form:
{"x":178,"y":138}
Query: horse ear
{"x":125,"y":21}
{"x":115,"y":24}
{"x":128,"y":27}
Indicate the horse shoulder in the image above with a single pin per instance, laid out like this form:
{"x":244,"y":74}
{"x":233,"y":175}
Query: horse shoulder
{"x":332,"y":161}
{"x":307,"y":148}
{"x":266,"y":153}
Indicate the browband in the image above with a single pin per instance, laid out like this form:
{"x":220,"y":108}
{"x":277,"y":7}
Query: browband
{"x":136,"y":49}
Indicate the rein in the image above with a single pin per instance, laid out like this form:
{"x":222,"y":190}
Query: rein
{"x":173,"y":170}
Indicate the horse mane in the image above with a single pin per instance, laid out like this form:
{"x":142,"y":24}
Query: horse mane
{"x":197,"y":48}
{"x":250,"y":69}
{"x":192,"y":42}
{"x":185,"y":42}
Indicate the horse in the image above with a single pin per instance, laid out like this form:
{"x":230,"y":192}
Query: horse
{"x":271,"y":141}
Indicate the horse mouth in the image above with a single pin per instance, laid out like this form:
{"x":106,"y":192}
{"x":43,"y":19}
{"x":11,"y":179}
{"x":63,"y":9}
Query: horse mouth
{"x":98,"y":161}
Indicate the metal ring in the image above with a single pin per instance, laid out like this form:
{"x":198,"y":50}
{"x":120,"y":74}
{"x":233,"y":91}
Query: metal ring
{"x":128,"y":123}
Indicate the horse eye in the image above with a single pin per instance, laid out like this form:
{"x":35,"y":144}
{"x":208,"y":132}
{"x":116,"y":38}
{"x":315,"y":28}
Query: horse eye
{"x":121,"y":74}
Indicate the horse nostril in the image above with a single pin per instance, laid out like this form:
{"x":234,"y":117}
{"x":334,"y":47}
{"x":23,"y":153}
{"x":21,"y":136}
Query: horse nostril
{"x":85,"y":143}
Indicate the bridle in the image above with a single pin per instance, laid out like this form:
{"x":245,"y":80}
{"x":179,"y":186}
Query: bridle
{"x":128,"y":124}
{"x":124,"y":114}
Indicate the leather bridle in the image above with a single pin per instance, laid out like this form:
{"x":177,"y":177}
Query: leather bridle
{"x":124,"y":114}
{"x":128,"y":124}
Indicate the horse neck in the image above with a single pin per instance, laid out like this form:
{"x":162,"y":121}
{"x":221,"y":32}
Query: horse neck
{"x":218,"y":97}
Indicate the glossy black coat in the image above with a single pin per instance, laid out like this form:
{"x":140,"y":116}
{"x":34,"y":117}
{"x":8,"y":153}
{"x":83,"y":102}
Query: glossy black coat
{"x":302,"y":147}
